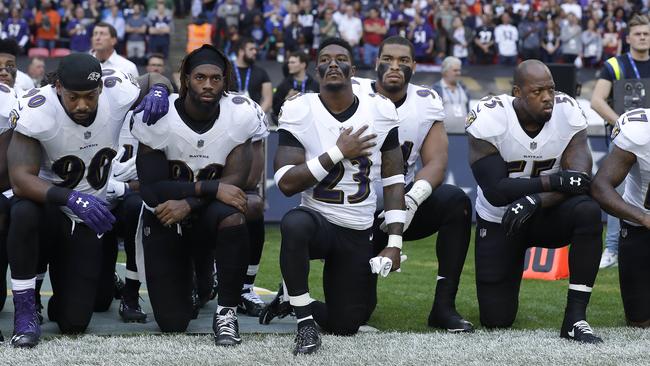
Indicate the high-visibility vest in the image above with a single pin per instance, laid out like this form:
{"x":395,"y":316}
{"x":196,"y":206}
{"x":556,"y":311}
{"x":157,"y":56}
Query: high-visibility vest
{"x":616,"y":65}
{"x":198,"y":35}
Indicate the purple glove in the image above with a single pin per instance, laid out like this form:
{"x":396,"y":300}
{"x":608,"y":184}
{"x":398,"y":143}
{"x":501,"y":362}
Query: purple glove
{"x":92,"y":211}
{"x":155,"y":104}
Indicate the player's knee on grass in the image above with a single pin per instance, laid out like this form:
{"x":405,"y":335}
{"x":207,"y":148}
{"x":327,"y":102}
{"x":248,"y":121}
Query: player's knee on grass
{"x":587,"y":216}
{"x":72,"y":324}
{"x":254,"y":207}
{"x":498,"y":303}
{"x":348,"y":321}
{"x":175,"y":324}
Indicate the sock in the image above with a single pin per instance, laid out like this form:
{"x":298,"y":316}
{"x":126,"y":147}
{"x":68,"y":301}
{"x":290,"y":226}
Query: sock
{"x":21,"y":285}
{"x":302,"y":307}
{"x":445,"y":296}
{"x":577,"y":301}
{"x":256,"y":235}
{"x":131,"y":288}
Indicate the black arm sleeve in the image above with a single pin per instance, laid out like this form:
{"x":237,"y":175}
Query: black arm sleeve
{"x":155,"y":186}
{"x":391,"y":141}
{"x":491,"y":174}
{"x":280,"y":94}
{"x":285,"y":138}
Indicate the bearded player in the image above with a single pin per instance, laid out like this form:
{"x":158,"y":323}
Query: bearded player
{"x":530,"y":157}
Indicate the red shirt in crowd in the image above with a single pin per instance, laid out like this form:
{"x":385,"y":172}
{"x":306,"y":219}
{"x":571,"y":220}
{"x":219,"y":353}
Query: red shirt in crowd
{"x":372,"y":37}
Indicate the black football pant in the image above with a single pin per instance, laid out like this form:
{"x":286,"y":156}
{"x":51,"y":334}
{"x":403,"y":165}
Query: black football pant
{"x":4,"y":228}
{"x":168,"y":257}
{"x":634,"y":273}
{"x":347,"y":281}
{"x":76,"y":256}
{"x":126,"y":214}
{"x":447,"y":211}
{"x":500,"y":259}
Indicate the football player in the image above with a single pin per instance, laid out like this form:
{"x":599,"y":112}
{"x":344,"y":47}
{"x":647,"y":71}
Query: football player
{"x":530,"y":157}
{"x":68,"y":132}
{"x":430,"y":205}
{"x":192,"y":165}
{"x":630,"y":157}
{"x":332,"y":145}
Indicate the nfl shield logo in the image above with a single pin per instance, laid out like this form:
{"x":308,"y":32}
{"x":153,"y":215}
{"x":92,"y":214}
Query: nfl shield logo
{"x":482,"y":233}
{"x":624,"y":232}
{"x":199,"y":143}
{"x":147,"y":231}
{"x":533,"y":145}
{"x":87,"y":135}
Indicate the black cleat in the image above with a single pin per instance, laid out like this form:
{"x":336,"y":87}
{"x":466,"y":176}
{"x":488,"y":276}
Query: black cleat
{"x":226,"y":328}
{"x":119,"y":286}
{"x":307,"y":340}
{"x":579,"y":331}
{"x":449,"y":320}
{"x":39,"y":308}
{"x":278,"y":308}
{"x":131,"y":312}
{"x":196,"y":303}
{"x":215,"y":286}
{"x":250,"y":303}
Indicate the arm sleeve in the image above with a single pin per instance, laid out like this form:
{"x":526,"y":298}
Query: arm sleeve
{"x":155,"y":186}
{"x":391,"y":141}
{"x":491,"y":174}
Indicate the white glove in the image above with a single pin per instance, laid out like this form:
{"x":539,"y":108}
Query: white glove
{"x":411,"y":207}
{"x":383,"y":265}
{"x":115,"y":190}
{"x":125,"y":171}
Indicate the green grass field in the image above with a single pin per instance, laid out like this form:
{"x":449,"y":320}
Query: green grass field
{"x":405,"y":298}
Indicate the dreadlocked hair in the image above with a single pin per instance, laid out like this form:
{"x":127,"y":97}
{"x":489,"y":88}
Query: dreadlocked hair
{"x":228,"y":74}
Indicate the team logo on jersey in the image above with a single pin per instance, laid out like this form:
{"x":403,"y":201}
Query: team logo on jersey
{"x":200,"y":143}
{"x":13,"y":118}
{"x":533,"y":145}
{"x":616,"y":130}
{"x":4,"y":88}
{"x":471,"y":117}
{"x":482,"y":233}
{"x":87,"y":135}
{"x":424,"y":93}
{"x":354,"y":82}
{"x":239,"y":100}
{"x":146,"y":231}
{"x":94,"y":76}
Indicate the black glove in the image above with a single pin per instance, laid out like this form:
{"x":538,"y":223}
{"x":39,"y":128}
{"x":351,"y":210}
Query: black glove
{"x":518,"y":212}
{"x":570,"y":181}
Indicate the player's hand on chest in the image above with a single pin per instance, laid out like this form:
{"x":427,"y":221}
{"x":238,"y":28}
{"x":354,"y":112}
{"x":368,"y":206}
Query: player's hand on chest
{"x":355,"y":142}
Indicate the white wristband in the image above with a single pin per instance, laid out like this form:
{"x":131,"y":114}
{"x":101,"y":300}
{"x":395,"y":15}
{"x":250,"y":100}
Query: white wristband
{"x":335,"y":154}
{"x":395,"y":179}
{"x":280,"y":173}
{"x":395,"y":216}
{"x":420,"y":191}
{"x":317,"y":169}
{"x":394,"y":241}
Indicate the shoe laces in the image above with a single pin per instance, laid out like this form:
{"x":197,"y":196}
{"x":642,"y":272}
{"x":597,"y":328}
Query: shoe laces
{"x":253,"y":297}
{"x":227,"y":324}
{"x":306,"y":335}
{"x":583,"y":327}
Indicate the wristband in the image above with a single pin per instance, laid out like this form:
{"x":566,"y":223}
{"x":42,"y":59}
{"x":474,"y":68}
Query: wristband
{"x":394,"y":241}
{"x":209,"y":188}
{"x":316,"y":169}
{"x":420,"y":191}
{"x":280,"y":173}
{"x":335,"y":154}
{"x":395,"y":216}
{"x":395,"y":179}
{"x":58,"y":195}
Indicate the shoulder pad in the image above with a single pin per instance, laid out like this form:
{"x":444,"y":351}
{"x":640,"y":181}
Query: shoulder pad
{"x":34,"y":116}
{"x":293,"y":112}
{"x":384,"y":106}
{"x":571,"y":110}
{"x":488,"y":119}
{"x":361,"y":85}
{"x":155,"y":135}
{"x":244,"y":118}
{"x":428,"y":102}
{"x":633,"y":126}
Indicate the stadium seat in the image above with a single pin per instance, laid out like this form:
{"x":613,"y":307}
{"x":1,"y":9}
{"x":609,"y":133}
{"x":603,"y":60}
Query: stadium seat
{"x":38,"y":52}
{"x":60,"y":52}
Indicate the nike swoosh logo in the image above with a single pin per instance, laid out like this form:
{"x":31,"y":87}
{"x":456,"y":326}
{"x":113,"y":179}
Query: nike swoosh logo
{"x":571,"y":333}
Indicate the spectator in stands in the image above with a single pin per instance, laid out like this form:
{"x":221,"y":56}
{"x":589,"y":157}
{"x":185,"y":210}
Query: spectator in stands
{"x":247,"y":17}
{"x":156,"y":63}
{"x":469,"y":20}
{"x":229,"y":11}
{"x":521,"y":9}
{"x":36,"y":71}
{"x":136,"y":30}
{"x":572,"y":7}
{"x":351,"y":29}
{"x":103,"y":42}
{"x":506,"y":37}
{"x":48,"y":22}
{"x":274,"y":8}
{"x":400,"y":20}
{"x":461,"y":38}
{"x":66,"y":12}
{"x":446,"y":15}
{"x":374,"y":30}
{"x":160,"y":25}
{"x":116,"y":19}
{"x":298,"y":80}
{"x":92,"y":12}
{"x":484,"y":41}
{"x":252,"y":80}
{"x":570,"y":36}
{"x":258,"y":34}
{"x":16,"y":28}
{"x":440,"y":42}
{"x":612,"y":43}
{"x":592,"y":45}
{"x":422,"y":36}
{"x":327,"y":25}
{"x":292,"y":33}
{"x":79,"y":32}
{"x":550,"y":42}
{"x":454,"y":94}
{"x":307,"y":16}
{"x":530,"y":30}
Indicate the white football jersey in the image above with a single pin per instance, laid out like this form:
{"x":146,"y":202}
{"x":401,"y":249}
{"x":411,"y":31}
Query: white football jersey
{"x":262,"y":129}
{"x":7,"y":100}
{"x":632,"y":134}
{"x":421,"y":109}
{"x":495,"y":121}
{"x":346,"y":197}
{"x":74,"y":156}
{"x":194,"y":156}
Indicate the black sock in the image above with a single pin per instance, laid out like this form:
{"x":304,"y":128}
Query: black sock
{"x":256,"y":237}
{"x":131,"y":288}
{"x":445,"y":297}
{"x":304,"y":315}
{"x":576,"y":306}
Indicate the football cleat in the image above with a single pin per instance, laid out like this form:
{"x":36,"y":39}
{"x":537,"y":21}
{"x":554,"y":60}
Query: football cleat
{"x":215,"y":286}
{"x":27,"y":330}
{"x":131,"y":312}
{"x":119,"y":286}
{"x":450,"y":320}
{"x":278,"y":308}
{"x":608,"y":259}
{"x":250,"y":303}
{"x":226,"y":328}
{"x":39,"y":308}
{"x":307,"y":340}
{"x":196,"y":303}
{"x":579,"y":331}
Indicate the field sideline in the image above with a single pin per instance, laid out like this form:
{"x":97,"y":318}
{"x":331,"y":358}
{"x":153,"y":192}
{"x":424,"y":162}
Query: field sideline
{"x":404,"y":303}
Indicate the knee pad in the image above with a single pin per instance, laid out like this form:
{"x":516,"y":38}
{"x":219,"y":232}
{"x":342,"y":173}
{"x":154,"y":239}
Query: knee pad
{"x":455,"y":200}
{"x":297,"y":226}
{"x":587,"y":216}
